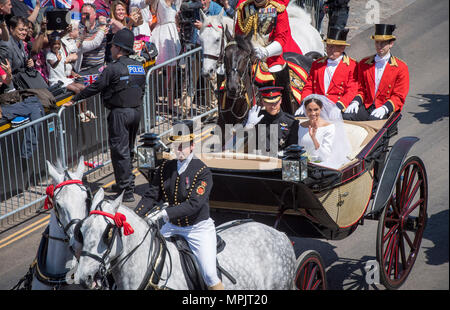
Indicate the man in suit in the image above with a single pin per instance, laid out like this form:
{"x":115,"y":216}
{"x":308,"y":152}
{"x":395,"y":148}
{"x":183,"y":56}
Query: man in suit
{"x":335,"y":75}
{"x":185,"y":184}
{"x":383,"y":80}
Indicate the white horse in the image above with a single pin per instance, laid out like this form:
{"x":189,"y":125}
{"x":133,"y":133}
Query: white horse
{"x":69,"y":207}
{"x":212,"y":35}
{"x":256,"y":255}
{"x":213,"y":40}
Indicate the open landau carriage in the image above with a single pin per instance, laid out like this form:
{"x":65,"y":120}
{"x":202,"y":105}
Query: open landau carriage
{"x":379,"y":183}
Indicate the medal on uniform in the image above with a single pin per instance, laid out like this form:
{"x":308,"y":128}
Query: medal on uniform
{"x":187,"y":181}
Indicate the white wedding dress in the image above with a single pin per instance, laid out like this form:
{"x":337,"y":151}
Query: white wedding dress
{"x":165,"y":34}
{"x":334,"y":147}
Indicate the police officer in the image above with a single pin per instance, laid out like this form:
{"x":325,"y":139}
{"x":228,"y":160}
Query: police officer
{"x":185,"y":184}
{"x":122,"y":86}
{"x":286,"y":124}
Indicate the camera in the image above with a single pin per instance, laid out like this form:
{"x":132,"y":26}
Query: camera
{"x":58,"y":19}
{"x":189,"y":13}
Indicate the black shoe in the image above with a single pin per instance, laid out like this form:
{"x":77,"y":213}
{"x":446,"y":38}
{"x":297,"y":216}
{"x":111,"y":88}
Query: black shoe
{"x":128,"y":197}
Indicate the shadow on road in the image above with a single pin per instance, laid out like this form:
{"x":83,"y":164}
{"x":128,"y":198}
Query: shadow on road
{"x":438,"y":254}
{"x":436,"y":108}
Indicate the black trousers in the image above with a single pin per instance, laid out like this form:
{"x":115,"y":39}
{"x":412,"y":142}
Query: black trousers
{"x":362,"y":115}
{"x":123,"y":125}
{"x":338,"y":13}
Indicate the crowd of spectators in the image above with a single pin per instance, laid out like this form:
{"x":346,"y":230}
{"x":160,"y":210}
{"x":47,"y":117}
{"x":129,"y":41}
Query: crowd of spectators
{"x":70,"y":59}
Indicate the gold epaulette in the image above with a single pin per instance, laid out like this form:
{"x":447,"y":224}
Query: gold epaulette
{"x":369,"y":60}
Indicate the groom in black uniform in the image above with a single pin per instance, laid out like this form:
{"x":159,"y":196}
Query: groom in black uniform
{"x":273,"y":115}
{"x":122,"y":85}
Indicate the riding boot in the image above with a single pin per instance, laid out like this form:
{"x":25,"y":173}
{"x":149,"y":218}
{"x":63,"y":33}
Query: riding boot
{"x":283,"y":79}
{"x":218,"y":286}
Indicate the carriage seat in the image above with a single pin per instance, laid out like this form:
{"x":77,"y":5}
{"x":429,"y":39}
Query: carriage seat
{"x":356,"y":135}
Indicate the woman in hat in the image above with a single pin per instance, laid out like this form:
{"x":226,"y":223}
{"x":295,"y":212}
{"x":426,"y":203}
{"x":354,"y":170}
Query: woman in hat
{"x":383,"y":80}
{"x":185,"y":184}
{"x":335,"y":75}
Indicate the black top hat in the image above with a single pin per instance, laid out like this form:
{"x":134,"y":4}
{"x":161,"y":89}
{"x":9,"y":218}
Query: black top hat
{"x":383,"y":32}
{"x":271,"y":94}
{"x":183,"y":131}
{"x":337,"y":36}
{"x":124,"y":38}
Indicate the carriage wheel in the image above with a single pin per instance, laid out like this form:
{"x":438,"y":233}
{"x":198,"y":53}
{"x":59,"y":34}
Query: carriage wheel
{"x":310,"y":274}
{"x":402,"y":223}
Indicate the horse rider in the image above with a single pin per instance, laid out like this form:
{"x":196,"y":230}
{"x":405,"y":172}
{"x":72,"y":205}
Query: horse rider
{"x":185,"y":184}
{"x":335,"y":75}
{"x":383,"y":80}
{"x":122,"y":86}
{"x":287,"y":125}
{"x":270,"y":20}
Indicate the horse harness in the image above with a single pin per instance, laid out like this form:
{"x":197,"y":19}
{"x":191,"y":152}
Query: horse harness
{"x":38,"y":267}
{"x":244,"y":90}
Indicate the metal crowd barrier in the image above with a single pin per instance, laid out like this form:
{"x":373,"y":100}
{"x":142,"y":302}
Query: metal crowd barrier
{"x":176,"y":90}
{"x":63,"y":136}
{"x":57,"y":136}
{"x":23,"y":173}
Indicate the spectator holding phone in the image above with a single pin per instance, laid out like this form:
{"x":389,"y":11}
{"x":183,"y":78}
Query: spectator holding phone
{"x":93,"y":37}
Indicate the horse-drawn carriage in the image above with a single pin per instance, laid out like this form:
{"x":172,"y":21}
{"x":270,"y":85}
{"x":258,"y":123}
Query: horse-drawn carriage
{"x":311,"y":200}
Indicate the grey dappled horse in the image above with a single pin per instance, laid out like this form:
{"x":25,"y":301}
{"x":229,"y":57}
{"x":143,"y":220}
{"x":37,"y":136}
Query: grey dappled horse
{"x":69,"y":206}
{"x":256,"y":255}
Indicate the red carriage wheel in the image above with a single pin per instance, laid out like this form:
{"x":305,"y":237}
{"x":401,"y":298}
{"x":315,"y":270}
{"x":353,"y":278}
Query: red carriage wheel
{"x":310,"y":274}
{"x":402,"y":223}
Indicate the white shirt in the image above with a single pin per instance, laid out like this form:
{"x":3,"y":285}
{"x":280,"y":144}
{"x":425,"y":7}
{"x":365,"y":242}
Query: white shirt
{"x":329,"y":71}
{"x":380,"y":65}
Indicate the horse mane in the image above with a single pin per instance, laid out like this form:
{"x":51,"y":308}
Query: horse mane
{"x":243,"y":42}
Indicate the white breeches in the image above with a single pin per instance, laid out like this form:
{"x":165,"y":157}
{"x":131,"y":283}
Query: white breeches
{"x":201,"y":238}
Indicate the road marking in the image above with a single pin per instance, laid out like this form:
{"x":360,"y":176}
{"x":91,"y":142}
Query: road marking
{"x":46,"y":219}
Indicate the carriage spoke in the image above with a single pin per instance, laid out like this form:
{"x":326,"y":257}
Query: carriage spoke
{"x":402,"y":250}
{"x":312,"y":276}
{"x":390,"y":232}
{"x":409,"y":209}
{"x":408,"y":240}
{"x":407,"y":190}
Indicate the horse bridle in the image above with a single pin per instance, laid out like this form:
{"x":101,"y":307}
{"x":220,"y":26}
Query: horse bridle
{"x":243,"y":92}
{"x":111,"y":231}
{"x":50,"y":202}
{"x":219,"y":58}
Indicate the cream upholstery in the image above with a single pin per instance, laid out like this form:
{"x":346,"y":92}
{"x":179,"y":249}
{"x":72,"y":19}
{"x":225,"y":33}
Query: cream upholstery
{"x":356,"y":135}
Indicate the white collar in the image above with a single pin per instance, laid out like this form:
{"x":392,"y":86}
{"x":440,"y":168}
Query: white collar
{"x":336,"y":61}
{"x":182,"y":165}
{"x":383,"y":59}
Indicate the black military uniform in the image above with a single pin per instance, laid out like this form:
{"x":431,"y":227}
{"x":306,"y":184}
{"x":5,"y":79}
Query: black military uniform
{"x":122,"y":85}
{"x":287,"y":129}
{"x":187,"y":193}
{"x":287,"y":124}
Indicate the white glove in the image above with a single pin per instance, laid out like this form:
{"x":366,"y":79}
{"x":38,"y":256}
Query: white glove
{"x":260,"y":52}
{"x":253,"y":117}
{"x":300,"y":111}
{"x":380,"y":112}
{"x":154,"y":217}
{"x":353,"y":107}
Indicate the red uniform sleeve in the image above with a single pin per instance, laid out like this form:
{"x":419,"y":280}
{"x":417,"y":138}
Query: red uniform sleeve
{"x":351,"y":89}
{"x":281,"y":32}
{"x":360,"y":95}
{"x":400,"y":89}
{"x":308,"y":88}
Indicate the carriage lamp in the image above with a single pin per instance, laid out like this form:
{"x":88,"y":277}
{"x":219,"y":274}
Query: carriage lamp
{"x":149,"y":152}
{"x":294,"y":164}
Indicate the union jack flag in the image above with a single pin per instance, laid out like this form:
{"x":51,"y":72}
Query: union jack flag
{"x":61,"y":4}
{"x":89,"y":79}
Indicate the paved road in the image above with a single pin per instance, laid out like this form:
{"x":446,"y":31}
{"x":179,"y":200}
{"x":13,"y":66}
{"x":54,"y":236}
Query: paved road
{"x":423,"y":43}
